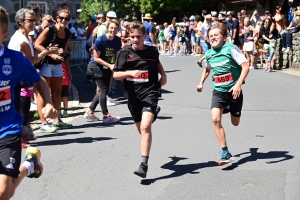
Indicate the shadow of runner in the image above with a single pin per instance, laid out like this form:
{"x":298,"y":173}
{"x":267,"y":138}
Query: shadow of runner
{"x":70,"y":141}
{"x":46,"y":135}
{"x":180,"y":170}
{"x":254,"y":156}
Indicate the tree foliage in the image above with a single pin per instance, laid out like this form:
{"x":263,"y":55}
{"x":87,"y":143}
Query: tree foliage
{"x":133,"y":9}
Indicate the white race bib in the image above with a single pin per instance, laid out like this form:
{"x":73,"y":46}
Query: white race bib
{"x":144,"y":77}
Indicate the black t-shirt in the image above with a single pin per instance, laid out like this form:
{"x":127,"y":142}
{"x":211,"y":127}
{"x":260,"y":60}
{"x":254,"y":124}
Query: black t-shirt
{"x":264,"y":31}
{"x":144,"y":60}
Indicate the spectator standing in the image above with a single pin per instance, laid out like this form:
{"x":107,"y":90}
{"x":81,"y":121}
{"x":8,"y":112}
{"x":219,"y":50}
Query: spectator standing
{"x":204,"y":42}
{"x":255,"y":19}
{"x":278,"y":19}
{"x":150,"y":32}
{"x":241,"y":32}
{"x":187,"y":35}
{"x":91,"y":26}
{"x":192,"y":31}
{"x":166,"y":37}
{"x":161,"y":39}
{"x":81,"y":33}
{"x":73,"y":30}
{"x":65,"y":91}
{"x":172,"y":35}
{"x":52,"y":68}
{"x":249,"y":34}
{"x":233,"y":26}
{"x":284,"y":11}
{"x":197,"y":36}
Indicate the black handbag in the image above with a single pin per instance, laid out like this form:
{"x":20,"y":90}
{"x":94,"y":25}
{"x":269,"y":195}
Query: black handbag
{"x":50,"y":40}
{"x":94,"y":70}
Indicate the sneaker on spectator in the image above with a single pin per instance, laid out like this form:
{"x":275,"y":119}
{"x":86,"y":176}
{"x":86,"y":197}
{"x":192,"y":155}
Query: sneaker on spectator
{"x":287,"y":50}
{"x":283,"y":49}
{"x":65,"y":113}
{"x":172,"y":54}
{"x":110,"y":102}
{"x":251,"y":67}
{"x":198,"y":55}
{"x":47,"y":128}
{"x":61,"y":125}
{"x":90,"y":116}
{"x":110,"y":119}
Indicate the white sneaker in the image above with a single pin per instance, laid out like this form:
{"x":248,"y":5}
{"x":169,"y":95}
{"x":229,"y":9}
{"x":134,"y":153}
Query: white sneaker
{"x":283,"y":49}
{"x":47,"y":128}
{"x":287,"y":50}
{"x":108,"y":103}
{"x":251,"y":67}
{"x":90,"y":117}
{"x":111,"y":119}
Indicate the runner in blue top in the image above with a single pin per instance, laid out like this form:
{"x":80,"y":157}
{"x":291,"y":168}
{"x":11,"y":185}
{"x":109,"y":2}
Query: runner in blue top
{"x":16,"y":68}
{"x":230,"y":68}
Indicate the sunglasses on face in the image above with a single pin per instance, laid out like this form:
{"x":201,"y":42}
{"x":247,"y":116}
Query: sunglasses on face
{"x":64,"y":18}
{"x":49,"y":20}
{"x":100,"y":17}
{"x":30,"y":20}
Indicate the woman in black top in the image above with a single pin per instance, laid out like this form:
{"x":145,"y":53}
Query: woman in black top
{"x":52,"y":67}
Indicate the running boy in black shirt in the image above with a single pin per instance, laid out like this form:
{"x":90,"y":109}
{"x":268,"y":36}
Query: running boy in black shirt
{"x":139,"y":66}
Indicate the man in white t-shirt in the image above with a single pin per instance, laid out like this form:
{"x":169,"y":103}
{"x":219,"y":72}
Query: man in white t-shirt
{"x":73,"y":30}
{"x":80,"y":31}
{"x":204,"y":42}
{"x":255,"y":19}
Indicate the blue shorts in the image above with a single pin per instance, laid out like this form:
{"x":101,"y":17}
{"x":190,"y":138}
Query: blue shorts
{"x":205,"y":46}
{"x":49,"y":70}
{"x":269,"y":57}
{"x":198,"y":40}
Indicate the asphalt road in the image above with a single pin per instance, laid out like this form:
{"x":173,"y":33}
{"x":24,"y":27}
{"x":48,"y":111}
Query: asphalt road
{"x":96,"y":161}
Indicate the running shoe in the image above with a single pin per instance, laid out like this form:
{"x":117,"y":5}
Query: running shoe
{"x":142,"y":170}
{"x":61,"y":125}
{"x":110,"y":119}
{"x":65,"y":113}
{"x":91,"y":117}
{"x":156,"y":113}
{"x":110,"y":102}
{"x":251,"y":67}
{"x":33,"y":154}
{"x":47,"y":128}
{"x":226,"y":158}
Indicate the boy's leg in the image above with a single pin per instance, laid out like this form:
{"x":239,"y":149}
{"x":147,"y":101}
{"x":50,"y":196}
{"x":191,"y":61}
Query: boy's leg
{"x":216,"y":114}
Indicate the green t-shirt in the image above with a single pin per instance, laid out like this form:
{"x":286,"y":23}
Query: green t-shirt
{"x":101,"y":29}
{"x":161,"y":35}
{"x":225,"y":64}
{"x":269,"y":48}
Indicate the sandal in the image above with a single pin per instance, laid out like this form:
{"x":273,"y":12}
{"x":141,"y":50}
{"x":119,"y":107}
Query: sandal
{"x":24,"y":144}
{"x":28,"y":136}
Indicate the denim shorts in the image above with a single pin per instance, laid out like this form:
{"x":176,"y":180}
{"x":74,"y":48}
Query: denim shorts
{"x":193,"y":40}
{"x":269,"y":57}
{"x":205,"y":46}
{"x":198,"y":40}
{"x":49,"y":70}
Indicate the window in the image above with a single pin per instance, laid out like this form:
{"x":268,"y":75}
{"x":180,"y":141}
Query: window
{"x":42,"y":5}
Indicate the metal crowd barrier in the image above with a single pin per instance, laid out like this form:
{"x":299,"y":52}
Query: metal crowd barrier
{"x":78,"y":53}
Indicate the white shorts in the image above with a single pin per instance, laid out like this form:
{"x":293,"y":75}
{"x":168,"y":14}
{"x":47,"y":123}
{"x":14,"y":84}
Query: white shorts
{"x":248,"y":46}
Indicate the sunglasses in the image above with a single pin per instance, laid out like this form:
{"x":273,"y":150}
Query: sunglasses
{"x":64,"y":18}
{"x":100,"y":17}
{"x":50,"y":21}
{"x":30,"y":20}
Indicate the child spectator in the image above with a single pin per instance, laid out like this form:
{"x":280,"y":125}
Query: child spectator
{"x":269,"y":51}
{"x":65,"y":91}
{"x":161,"y":36}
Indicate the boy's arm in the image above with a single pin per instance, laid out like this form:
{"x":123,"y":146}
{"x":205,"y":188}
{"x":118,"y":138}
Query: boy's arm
{"x":204,"y":76}
{"x":163,"y":78}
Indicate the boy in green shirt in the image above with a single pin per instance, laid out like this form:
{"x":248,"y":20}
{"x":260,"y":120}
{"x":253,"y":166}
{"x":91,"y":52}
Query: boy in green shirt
{"x":161,"y":36}
{"x":230,"y":68}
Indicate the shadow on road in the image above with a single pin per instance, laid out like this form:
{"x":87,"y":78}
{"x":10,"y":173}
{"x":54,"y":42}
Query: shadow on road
{"x":59,"y":134}
{"x":83,"y":140}
{"x":170,"y":71}
{"x":180,"y":170}
{"x":254,"y":156}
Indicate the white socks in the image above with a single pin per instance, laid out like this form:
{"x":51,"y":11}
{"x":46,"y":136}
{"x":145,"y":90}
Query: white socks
{"x":29,"y":166}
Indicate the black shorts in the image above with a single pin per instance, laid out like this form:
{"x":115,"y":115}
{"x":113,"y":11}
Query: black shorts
{"x":10,"y":155}
{"x":172,"y":37}
{"x":226,"y":101}
{"x":65,"y":91}
{"x":137,"y":107}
